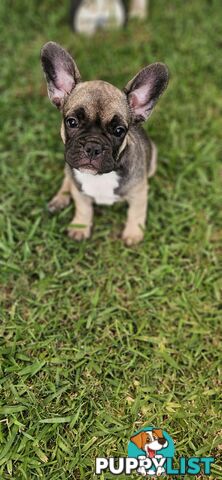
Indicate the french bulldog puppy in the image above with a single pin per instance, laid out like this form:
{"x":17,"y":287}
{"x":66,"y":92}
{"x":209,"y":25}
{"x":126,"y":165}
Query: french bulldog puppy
{"x":108,"y":156}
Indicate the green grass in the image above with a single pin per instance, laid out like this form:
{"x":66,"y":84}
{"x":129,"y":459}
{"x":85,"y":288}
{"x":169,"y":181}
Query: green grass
{"x":98,"y":340}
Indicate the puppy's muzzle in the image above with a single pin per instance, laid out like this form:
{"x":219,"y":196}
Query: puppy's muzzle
{"x":92,"y":154}
{"x":93,"y":150}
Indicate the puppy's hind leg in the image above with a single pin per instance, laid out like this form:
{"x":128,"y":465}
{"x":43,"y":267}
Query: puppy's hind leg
{"x":63,"y":196}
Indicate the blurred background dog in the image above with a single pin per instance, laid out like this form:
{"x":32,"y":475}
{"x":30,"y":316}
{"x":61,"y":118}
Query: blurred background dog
{"x":87,"y":16}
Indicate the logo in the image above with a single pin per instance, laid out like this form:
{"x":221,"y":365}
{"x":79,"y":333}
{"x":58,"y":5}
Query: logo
{"x":152,"y":446}
{"x":151,"y":452}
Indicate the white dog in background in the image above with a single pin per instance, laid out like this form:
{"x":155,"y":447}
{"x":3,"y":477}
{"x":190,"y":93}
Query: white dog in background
{"x":90,"y":15}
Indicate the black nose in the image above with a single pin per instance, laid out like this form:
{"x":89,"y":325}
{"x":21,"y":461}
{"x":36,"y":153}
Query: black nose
{"x":161,"y":441}
{"x":93,"y":149}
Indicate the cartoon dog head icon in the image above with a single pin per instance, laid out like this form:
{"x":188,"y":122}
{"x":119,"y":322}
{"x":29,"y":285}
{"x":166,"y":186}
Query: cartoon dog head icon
{"x":150,"y":441}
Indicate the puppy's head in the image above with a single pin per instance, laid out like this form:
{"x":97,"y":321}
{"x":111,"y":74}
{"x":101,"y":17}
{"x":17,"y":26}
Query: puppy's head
{"x":150,"y":441}
{"x":96,"y":115}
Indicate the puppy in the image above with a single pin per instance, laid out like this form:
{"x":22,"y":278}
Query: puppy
{"x":108,"y":156}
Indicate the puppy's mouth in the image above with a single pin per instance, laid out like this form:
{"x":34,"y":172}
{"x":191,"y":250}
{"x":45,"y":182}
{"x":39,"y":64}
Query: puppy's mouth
{"x":88,"y":169}
{"x":93,"y":168}
{"x":91,"y":157}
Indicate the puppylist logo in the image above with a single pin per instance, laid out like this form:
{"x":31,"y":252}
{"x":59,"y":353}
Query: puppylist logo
{"x":151,"y":452}
{"x":152,"y":447}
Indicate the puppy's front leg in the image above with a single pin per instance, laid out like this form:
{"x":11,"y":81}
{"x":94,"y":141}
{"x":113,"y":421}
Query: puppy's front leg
{"x":63,"y":197}
{"x":81,"y":224}
{"x":133,"y":232}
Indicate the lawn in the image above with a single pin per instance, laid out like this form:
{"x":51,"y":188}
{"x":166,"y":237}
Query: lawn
{"x":98,"y":340}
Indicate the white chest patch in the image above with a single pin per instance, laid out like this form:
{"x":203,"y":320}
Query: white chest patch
{"x":100,"y":187}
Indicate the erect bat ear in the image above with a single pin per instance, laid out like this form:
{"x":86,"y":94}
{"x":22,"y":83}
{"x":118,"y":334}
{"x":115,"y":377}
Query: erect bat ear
{"x":145,"y":88}
{"x":61,"y":72}
{"x":139,"y":439}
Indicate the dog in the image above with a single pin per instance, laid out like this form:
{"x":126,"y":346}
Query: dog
{"x":108,"y":156}
{"x":87,"y":16}
{"x":151,"y":442}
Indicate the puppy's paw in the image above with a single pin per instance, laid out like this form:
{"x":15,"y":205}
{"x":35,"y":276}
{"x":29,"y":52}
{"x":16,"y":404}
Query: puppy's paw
{"x":132,"y":236}
{"x":78,"y":234}
{"x":59,"y":202}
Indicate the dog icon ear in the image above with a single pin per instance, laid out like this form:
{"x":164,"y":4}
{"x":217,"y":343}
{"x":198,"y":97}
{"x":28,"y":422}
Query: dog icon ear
{"x":139,"y":439}
{"x":158,"y":433}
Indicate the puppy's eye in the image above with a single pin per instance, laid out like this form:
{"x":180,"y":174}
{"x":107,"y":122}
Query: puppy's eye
{"x":119,"y":131}
{"x":71,"y":122}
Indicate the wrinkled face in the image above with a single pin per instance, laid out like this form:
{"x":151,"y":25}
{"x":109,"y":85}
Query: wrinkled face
{"x":95,"y":124}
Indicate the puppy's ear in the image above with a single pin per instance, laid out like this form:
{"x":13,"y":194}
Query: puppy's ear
{"x":145,"y":88}
{"x":61,"y":72}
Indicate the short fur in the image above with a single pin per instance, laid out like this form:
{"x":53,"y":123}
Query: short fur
{"x":102,"y":136}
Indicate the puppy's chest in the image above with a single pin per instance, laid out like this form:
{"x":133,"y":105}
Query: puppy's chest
{"x":102,"y":188}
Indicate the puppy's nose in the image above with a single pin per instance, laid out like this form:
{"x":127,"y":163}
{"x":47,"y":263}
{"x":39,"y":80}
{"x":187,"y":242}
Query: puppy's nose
{"x":93,"y":149}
